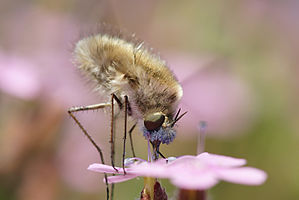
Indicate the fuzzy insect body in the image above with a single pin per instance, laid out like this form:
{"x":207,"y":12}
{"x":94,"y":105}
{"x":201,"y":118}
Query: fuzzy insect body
{"x":127,"y":69}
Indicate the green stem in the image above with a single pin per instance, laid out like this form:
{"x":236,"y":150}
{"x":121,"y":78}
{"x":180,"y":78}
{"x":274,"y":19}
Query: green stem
{"x":149,"y":187}
{"x":153,"y":190}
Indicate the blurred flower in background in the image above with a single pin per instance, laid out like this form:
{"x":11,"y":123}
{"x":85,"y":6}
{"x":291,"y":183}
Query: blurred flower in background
{"x":213,"y":92}
{"x":18,"y":77}
{"x":248,"y":96}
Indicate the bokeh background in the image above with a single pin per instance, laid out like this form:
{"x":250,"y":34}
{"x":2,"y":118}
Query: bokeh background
{"x":237,"y":62}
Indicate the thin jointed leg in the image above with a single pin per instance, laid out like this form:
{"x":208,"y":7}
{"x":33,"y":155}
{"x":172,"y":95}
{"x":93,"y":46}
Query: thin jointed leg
{"x":156,"y":150}
{"x":91,"y":107}
{"x":112,"y":135}
{"x":125,"y":132}
{"x":131,"y":140}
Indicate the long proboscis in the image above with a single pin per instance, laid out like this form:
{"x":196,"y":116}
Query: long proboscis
{"x":177,"y":117}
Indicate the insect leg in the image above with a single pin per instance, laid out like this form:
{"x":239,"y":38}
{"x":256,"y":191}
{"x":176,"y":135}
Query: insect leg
{"x":161,"y":154}
{"x":131,"y":140}
{"x":91,"y":107}
{"x":112,"y":135}
{"x":125,"y":132}
{"x":120,"y":104}
{"x":156,"y":145}
{"x":158,"y":151}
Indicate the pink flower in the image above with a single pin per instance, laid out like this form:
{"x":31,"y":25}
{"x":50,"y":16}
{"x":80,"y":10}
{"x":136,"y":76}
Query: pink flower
{"x":190,"y":172}
{"x":18,"y":78}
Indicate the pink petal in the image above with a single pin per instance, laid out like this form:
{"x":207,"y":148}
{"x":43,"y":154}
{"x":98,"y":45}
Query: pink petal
{"x":104,"y":168}
{"x":244,"y":175}
{"x":220,"y":161}
{"x":150,"y":169}
{"x":191,"y":181}
{"x":120,"y":178}
{"x":183,"y":160}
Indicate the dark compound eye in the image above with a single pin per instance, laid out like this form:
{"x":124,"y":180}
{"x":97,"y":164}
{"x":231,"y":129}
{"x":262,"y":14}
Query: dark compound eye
{"x":154,"y":121}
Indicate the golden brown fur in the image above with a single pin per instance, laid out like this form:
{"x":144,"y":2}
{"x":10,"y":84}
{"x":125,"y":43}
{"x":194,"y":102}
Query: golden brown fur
{"x":125,"y":68}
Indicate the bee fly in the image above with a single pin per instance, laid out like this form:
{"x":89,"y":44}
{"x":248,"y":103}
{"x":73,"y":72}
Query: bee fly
{"x":140,"y":82}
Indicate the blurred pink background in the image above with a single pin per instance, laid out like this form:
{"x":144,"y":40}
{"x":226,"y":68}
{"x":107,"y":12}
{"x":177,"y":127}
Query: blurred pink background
{"x":236,"y":60}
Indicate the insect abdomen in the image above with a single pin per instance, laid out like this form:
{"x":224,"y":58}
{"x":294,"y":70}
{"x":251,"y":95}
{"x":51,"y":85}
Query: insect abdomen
{"x":124,"y":68}
{"x":102,"y":58}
